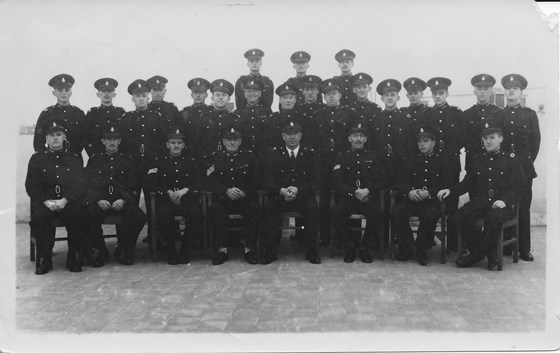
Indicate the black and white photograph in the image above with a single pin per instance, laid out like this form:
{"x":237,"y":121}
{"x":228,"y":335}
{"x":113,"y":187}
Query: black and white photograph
{"x":287,"y":176}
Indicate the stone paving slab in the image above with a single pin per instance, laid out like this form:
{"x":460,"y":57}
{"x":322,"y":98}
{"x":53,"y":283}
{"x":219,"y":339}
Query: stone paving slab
{"x":289,"y":295}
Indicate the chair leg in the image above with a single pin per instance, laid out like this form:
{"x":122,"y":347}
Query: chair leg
{"x":516,"y":244}
{"x":332,"y":242}
{"x":500,"y":249}
{"x":443,"y":240}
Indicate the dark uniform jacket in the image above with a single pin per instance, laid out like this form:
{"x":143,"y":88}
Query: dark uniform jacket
{"x":427,"y":172}
{"x":522,"y":135}
{"x":491,"y":177}
{"x":168,"y":112}
{"x":267,"y":93}
{"x":333,"y":124}
{"x":252,"y":120}
{"x":413,"y":118}
{"x":226,"y":170}
{"x":357,"y":169}
{"x":448,"y":124}
{"x":111,"y":177}
{"x":96,"y":119}
{"x":69,"y":116}
{"x":346,"y":89}
{"x":143,"y":134}
{"x":208,"y":138}
{"x":54,"y":175}
{"x":283,"y":171}
{"x":366,"y":110}
{"x":475,"y":118}
{"x":174,"y":173}
{"x":274,"y":124}
{"x":388,"y":134}
{"x":299,"y":82}
{"x":190,"y":120}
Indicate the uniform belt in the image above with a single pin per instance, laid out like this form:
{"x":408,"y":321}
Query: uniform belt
{"x":142,"y":148}
{"x":441,"y":144}
{"x":219,"y":148}
{"x":490,"y":192}
{"x":57,"y":189}
{"x":389,"y":149}
{"x":111,"y":189}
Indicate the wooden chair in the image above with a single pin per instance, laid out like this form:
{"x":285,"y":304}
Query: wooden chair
{"x":362,"y":218}
{"x":440,"y":230}
{"x":152,"y":224}
{"x":511,"y":223}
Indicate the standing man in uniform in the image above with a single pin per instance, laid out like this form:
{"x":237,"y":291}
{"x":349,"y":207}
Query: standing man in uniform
{"x":423,"y":177}
{"x":254,"y":62}
{"x":414,"y":91}
{"x":176,"y":179}
{"x":358,"y":177}
{"x":301,"y":59}
{"x":288,"y":112}
{"x":476,"y":116}
{"x":291,"y":177}
{"x":495,"y":183}
{"x":522,"y":138}
{"x":98,"y":117}
{"x":345,"y":60}
{"x":232,"y":177}
{"x":208,"y":138}
{"x":191,"y":114}
{"x":167,"y":110}
{"x":111,"y":187}
{"x":54,"y":183}
{"x":69,"y":116}
{"x":447,"y":123}
{"x":309,"y":108}
{"x":365,"y":108}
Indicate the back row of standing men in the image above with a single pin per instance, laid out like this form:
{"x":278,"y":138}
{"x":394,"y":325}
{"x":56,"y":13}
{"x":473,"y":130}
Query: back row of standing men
{"x":392,"y":131}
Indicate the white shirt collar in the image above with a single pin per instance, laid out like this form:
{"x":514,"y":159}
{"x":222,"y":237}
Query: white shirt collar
{"x":296,"y":151}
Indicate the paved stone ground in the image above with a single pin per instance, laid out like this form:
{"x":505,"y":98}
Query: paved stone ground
{"x":289,"y":295}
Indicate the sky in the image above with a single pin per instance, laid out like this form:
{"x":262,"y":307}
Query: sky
{"x":180,"y":40}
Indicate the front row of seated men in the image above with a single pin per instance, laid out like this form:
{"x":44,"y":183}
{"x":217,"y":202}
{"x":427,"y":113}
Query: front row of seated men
{"x":56,"y":183}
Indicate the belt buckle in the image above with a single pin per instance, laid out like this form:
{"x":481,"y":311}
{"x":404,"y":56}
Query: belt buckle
{"x":57,"y":189}
{"x":142,"y":148}
{"x":332,"y":144}
{"x":424,"y":188}
{"x":219,"y":148}
{"x":491,"y":192}
{"x":389,"y":149}
{"x":111,"y":190}
{"x":441,"y":144}
{"x":358,"y":183}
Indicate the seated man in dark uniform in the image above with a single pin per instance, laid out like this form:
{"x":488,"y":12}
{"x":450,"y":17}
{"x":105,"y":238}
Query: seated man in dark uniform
{"x":54,"y":183}
{"x":111,"y":184}
{"x":495,"y":183}
{"x":422,"y":178}
{"x":176,"y":179}
{"x":233,"y":178}
{"x":358,"y":175}
{"x":291,"y":177}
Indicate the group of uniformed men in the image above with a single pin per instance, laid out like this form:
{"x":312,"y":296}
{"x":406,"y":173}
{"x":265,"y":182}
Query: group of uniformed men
{"x":347,"y":144}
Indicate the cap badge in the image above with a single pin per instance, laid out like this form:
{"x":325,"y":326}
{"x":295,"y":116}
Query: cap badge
{"x":54,"y":124}
{"x":310,"y":79}
{"x":252,"y":83}
{"x":388,"y":84}
{"x":437,"y":82}
{"x":287,"y":87}
{"x":63,"y":80}
{"x":330,"y":84}
{"x":344,"y":54}
{"x":291,"y":123}
{"x":139,"y":85}
{"x":221,"y":84}
{"x":421,"y":130}
{"x":360,"y":77}
{"x":157,"y":81}
{"x":112,"y":129}
{"x":511,"y":78}
{"x":232,"y":130}
{"x":483,"y":78}
{"x":486,"y":125}
{"x":106,"y":83}
{"x":177,"y":131}
{"x":412,"y":82}
{"x":198,"y":83}
{"x":359,"y":126}
{"x":300,"y":55}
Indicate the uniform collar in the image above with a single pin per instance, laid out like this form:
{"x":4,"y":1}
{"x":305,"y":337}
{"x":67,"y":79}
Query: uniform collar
{"x":445,"y":105}
{"x":295,"y":150}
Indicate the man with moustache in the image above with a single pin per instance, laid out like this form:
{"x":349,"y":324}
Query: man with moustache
{"x":65,"y":114}
{"x":98,"y":117}
{"x":191,"y":114}
{"x":54,"y":183}
{"x":167,"y":110}
{"x":522,"y":138}
{"x":345,"y":59}
{"x":254,"y":62}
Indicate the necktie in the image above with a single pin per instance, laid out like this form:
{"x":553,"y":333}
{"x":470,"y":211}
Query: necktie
{"x":292,"y":156}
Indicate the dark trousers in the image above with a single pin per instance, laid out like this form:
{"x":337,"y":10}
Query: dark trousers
{"x":132,"y":222}
{"x":346,"y":206}
{"x":484,"y":243}
{"x":325,"y":170}
{"x":188,"y":208}
{"x":42,"y":226}
{"x":222,"y":207}
{"x":525,"y":217}
{"x":305,"y":206}
{"x":428,"y":212}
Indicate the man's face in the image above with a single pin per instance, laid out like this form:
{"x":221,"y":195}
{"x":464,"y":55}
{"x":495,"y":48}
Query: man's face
{"x":414,"y":97}
{"x":310,"y":94}
{"x":390,"y":99}
{"x":175,"y":146}
{"x":232,"y":143}
{"x":332,"y":98}
{"x":158,"y":94}
{"x":301,"y":68}
{"x":492,"y":141}
{"x":220,"y":99}
{"x":440,"y":96}
{"x":357,"y":140}
{"x":426,"y":145}
{"x":55,"y":140}
{"x":482,"y":94}
{"x":362,"y":91}
{"x":62,"y":95}
{"x":111,"y":144}
{"x":254,"y":65}
{"x":141,"y":100}
{"x":346,"y":66}
{"x":106,"y":96}
{"x":292,"y":139}
{"x":199,"y":96}
{"x":288,"y":101}
{"x":513,"y":93}
{"x":252,"y":95}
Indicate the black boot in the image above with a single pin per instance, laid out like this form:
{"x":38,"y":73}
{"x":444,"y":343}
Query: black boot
{"x":171,"y":253}
{"x":100,"y":256}
{"x":73,"y":261}
{"x":184,"y":253}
